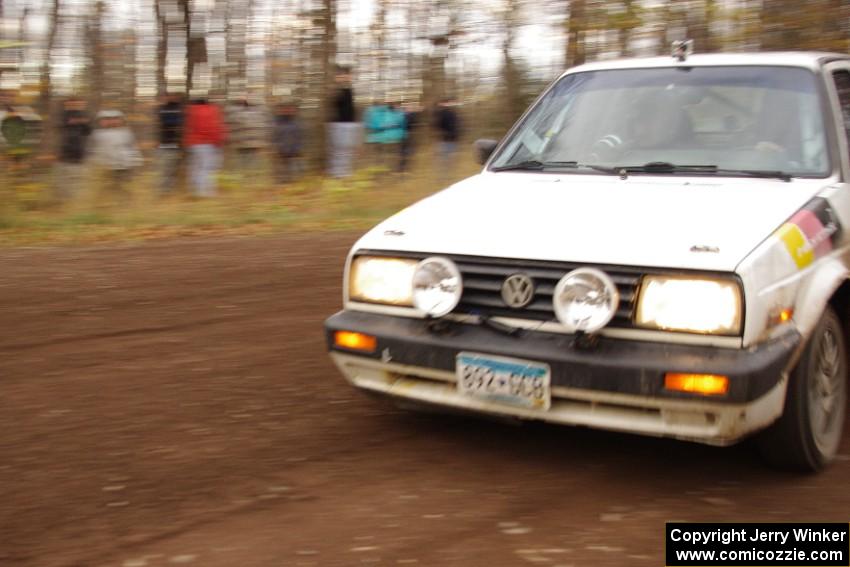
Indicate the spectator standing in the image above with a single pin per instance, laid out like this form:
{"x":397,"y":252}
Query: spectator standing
{"x":169,"y":152}
{"x":411,"y":117}
{"x":385,"y":132}
{"x":248,"y":135}
{"x":343,"y":131}
{"x":115,"y":152}
{"x":19,"y":129}
{"x":12,"y":127}
{"x":6,"y":111}
{"x":7,"y":99}
{"x":373,"y":122}
{"x":20,"y":132}
{"x":75,"y":129}
{"x":448,"y":125}
{"x":394,"y":135}
{"x":203,"y":135}
{"x":288,"y":141}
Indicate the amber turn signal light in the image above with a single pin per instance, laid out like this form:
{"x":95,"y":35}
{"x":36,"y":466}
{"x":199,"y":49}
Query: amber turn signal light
{"x":705,"y":384}
{"x":780,"y":317}
{"x":355,"y":341}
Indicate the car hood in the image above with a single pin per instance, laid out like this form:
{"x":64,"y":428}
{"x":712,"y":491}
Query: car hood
{"x":673,"y":222}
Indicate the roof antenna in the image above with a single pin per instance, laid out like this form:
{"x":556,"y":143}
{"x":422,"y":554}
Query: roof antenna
{"x":682,"y":49}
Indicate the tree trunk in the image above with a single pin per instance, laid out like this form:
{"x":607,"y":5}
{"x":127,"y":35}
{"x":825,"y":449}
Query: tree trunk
{"x":238,"y":16}
{"x":45,"y":87}
{"x":780,"y":25}
{"x":513,"y":82}
{"x":22,"y":36}
{"x":625,"y":31}
{"x":22,"y":25}
{"x":161,"y":49}
{"x":623,"y":41}
{"x":243,"y":52}
{"x":2,"y":34}
{"x":328,"y":54}
{"x":713,"y":41}
{"x":44,"y":82}
{"x":379,"y":31}
{"x":575,"y":54}
{"x":663,"y":47}
{"x":698,"y":24}
{"x":96,"y":47}
{"x":190,"y":50}
{"x":129,"y":73}
{"x":833,"y":16}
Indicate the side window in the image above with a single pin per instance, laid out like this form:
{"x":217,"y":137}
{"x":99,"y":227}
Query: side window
{"x":842,"y":87}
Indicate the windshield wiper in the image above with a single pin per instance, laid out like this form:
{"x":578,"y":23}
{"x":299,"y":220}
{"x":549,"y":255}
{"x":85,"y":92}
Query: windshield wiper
{"x":535,"y":165}
{"x":764,"y":173}
{"x":602,"y":168}
{"x":672,"y":168}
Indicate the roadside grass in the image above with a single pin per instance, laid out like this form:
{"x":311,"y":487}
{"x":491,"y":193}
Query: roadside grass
{"x":247,"y":203}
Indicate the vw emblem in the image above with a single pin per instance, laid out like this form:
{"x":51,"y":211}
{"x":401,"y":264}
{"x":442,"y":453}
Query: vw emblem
{"x":517,"y":291}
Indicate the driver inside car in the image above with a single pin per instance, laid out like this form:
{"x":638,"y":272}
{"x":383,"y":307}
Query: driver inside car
{"x":652,"y":129}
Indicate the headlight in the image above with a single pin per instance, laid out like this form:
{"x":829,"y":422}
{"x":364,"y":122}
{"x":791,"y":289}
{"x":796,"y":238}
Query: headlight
{"x":687,"y":304}
{"x":437,"y":286}
{"x":381,"y":280}
{"x":585,"y":300}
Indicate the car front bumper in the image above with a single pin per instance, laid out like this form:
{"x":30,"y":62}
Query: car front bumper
{"x":615,"y":384}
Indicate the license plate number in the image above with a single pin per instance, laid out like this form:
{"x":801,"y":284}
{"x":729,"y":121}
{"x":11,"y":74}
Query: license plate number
{"x":504,"y":380}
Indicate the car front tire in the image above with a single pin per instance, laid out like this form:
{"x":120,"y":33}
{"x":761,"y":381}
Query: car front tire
{"x":808,"y":434}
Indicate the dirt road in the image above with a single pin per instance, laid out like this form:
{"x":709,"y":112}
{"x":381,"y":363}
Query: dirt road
{"x":172,"y":403}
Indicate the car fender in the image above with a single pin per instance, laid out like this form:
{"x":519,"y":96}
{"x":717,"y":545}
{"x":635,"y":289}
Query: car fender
{"x":815,"y":293}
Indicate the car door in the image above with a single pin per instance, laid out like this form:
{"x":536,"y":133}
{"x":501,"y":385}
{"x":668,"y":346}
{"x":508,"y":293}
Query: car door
{"x":837,"y":80}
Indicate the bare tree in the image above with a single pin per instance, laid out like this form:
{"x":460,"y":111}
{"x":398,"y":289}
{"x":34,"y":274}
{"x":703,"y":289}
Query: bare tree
{"x":697,"y":22}
{"x":575,"y":53}
{"x":45,"y":108}
{"x":195,"y":45}
{"x":238,"y":16}
{"x":444,"y":38}
{"x":626,"y":24}
{"x":512,"y":76}
{"x":782,"y":24}
{"x":379,"y":32}
{"x":328,"y":54}
{"x":22,"y":34}
{"x":44,"y":82}
{"x":161,"y":48}
{"x":95,"y":44}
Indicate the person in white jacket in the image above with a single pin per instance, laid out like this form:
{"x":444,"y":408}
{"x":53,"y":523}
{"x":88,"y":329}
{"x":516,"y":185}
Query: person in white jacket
{"x":115,"y":152}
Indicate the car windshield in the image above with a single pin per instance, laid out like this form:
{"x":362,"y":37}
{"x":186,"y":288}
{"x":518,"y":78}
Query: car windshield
{"x":751,"y":118}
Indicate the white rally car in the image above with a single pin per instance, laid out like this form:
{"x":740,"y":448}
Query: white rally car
{"x":658,"y":246}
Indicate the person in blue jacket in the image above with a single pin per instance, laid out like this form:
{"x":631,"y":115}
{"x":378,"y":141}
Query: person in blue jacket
{"x":385,"y":131}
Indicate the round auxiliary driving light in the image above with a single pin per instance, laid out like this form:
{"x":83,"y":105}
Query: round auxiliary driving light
{"x":585,"y":300}
{"x":437,"y":286}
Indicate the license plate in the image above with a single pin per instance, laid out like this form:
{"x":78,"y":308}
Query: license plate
{"x":504,"y":380}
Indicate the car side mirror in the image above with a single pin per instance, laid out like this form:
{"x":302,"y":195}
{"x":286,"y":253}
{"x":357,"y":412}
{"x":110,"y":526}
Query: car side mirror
{"x":484,"y":149}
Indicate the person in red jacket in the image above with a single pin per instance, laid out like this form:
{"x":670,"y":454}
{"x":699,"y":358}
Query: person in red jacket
{"x":204,"y":135}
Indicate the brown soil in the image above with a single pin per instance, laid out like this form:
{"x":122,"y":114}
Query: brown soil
{"x":172,"y":403}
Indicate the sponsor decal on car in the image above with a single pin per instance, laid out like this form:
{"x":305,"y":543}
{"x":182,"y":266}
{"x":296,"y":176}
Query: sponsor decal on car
{"x":811,"y":233}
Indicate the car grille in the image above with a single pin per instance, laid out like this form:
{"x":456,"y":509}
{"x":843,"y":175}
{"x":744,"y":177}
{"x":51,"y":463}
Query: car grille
{"x":483,"y":278}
